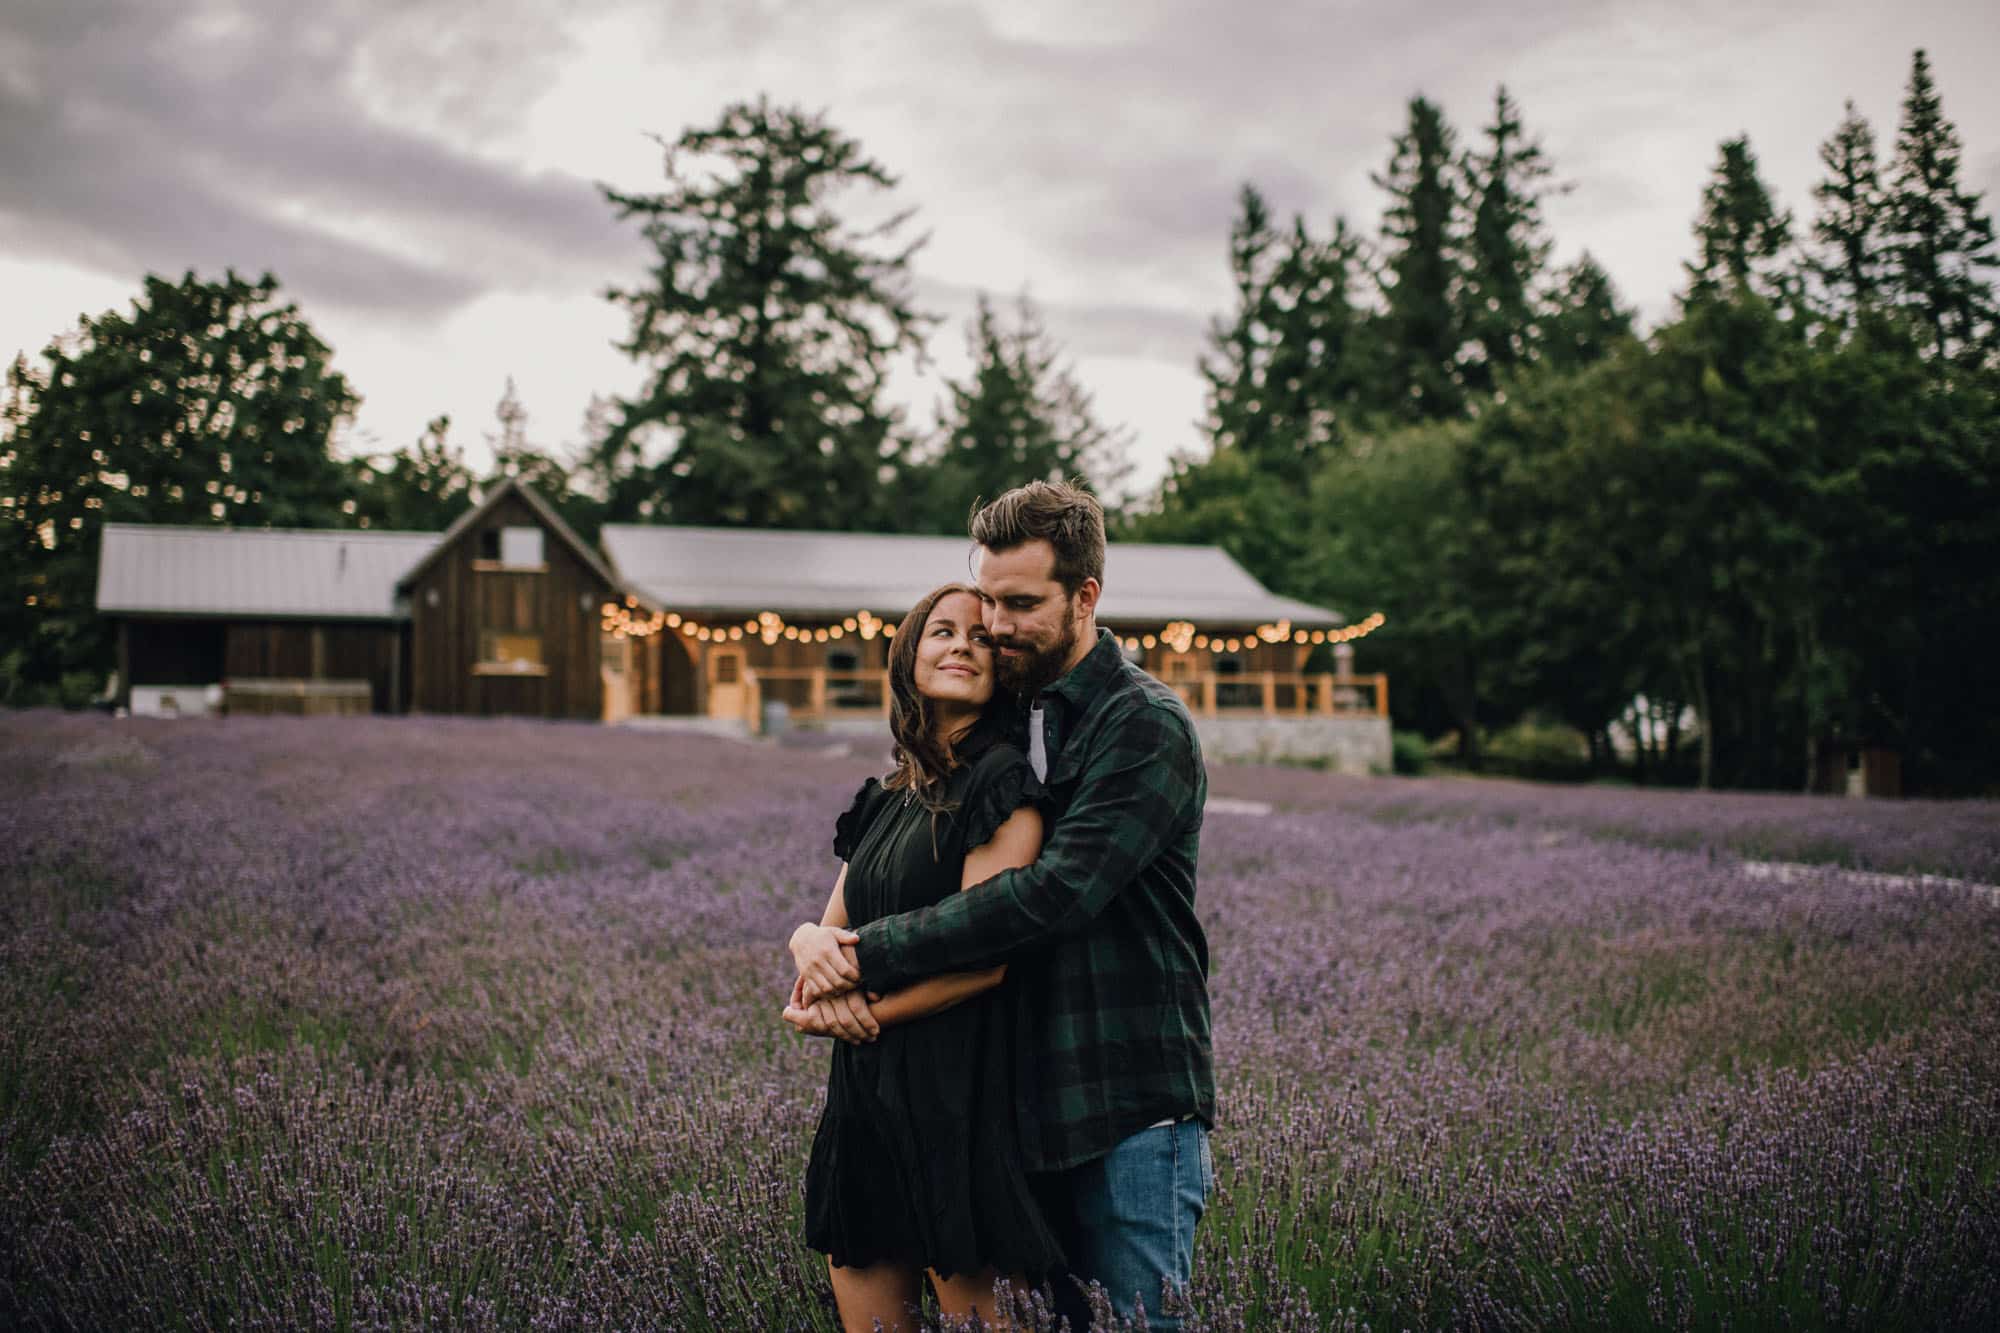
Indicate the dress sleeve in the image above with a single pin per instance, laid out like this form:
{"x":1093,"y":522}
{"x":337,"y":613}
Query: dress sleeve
{"x":853,"y":821}
{"x":1002,"y":784}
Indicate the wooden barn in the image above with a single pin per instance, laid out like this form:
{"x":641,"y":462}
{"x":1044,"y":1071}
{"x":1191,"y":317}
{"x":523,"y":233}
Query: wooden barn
{"x":500,"y":614}
{"x":510,"y":612}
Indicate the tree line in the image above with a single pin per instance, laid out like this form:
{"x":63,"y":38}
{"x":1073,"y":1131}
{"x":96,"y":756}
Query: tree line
{"x":1773,"y":512}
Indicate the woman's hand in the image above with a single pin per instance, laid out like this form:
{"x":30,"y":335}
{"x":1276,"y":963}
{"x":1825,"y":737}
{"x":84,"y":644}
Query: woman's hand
{"x":824,"y":956}
{"x":845,"y":1016}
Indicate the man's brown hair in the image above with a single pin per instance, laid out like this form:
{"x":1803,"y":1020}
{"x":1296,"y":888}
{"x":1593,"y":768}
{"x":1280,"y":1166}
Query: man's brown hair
{"x":1061,"y":513}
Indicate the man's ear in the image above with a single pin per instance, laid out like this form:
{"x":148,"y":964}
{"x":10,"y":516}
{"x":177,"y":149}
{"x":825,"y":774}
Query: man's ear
{"x":1086,"y":597}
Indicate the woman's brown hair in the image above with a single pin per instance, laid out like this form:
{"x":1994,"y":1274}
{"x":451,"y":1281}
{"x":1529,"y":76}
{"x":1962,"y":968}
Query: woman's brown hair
{"x":922,"y":763}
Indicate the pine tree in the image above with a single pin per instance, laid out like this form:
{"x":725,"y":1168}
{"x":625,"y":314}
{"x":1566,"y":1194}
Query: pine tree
{"x":1740,"y":234}
{"x":1020,"y":415}
{"x":1940,"y":243}
{"x":1507,"y":249}
{"x":1421,"y":246}
{"x":767,"y":328}
{"x":1583,"y":319}
{"x":1322,"y":372}
{"x":1847,"y":262}
{"x":1238,"y":357}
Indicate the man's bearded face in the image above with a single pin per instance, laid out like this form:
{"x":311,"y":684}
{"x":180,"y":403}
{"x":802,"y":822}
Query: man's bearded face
{"x":1031,"y":617}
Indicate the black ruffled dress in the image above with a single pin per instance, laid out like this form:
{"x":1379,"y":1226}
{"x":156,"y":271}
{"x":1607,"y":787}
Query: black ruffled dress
{"x":916,"y":1159}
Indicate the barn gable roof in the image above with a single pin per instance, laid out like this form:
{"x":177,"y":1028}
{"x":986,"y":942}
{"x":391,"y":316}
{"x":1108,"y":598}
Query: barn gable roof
{"x":543,"y":510}
{"x":833,"y":573}
{"x":309,"y":573}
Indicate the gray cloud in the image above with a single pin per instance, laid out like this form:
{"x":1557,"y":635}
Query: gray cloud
{"x":138,"y":135}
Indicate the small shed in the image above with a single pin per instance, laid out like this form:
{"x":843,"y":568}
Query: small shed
{"x":198,"y":607}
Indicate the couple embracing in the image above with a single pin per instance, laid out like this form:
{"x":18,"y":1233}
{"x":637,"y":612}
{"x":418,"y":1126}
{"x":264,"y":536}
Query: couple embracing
{"x":1022,"y":1082}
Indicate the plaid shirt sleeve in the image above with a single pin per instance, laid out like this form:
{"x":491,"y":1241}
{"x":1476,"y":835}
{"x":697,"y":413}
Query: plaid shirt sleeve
{"x":1135,"y":794}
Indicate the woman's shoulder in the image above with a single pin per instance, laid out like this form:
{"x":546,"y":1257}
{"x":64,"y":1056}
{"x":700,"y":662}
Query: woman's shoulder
{"x":999,"y":782}
{"x":854,"y":820}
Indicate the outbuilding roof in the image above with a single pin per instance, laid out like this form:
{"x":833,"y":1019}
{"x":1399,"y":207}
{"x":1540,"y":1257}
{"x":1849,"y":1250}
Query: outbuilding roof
{"x":829,"y":573}
{"x":316,"y":573}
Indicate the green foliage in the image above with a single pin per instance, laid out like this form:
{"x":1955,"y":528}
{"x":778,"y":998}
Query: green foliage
{"x":766,"y":327}
{"x":420,"y":488}
{"x":1740,"y":235}
{"x":1506,"y":247}
{"x":1939,"y":241}
{"x":210,"y":403}
{"x":1409,"y":752}
{"x":1020,"y":415}
{"x":1847,"y":263}
{"x":1422,"y":237}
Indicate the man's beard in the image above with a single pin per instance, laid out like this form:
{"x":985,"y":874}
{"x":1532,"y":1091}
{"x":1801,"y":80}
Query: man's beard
{"x":1026,"y":675}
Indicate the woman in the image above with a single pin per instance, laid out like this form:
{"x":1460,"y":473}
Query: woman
{"x":915,"y":1165}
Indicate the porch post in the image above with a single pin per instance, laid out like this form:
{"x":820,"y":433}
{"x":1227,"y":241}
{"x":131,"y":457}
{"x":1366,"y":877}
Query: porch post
{"x":1270,"y":694}
{"x":1208,"y":695}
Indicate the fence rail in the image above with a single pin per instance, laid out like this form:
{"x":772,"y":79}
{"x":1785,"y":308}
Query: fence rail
{"x":815,"y":693}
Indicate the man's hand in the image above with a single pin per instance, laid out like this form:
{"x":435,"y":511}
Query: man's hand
{"x":825,"y":959}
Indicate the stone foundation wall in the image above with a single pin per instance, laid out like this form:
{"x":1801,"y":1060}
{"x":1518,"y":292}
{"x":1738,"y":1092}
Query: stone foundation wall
{"x":1353,"y":745}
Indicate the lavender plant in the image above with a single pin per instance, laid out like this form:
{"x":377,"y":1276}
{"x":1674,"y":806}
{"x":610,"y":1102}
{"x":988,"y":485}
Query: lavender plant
{"x":395,"y":1023}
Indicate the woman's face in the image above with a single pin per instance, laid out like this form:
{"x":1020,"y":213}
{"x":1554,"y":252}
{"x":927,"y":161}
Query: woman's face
{"x":955,"y":654}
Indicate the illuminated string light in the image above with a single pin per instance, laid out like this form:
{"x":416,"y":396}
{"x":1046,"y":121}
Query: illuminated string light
{"x":627,"y":621}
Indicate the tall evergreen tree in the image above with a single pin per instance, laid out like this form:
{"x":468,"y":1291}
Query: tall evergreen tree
{"x":1322,"y":365}
{"x":210,"y":403}
{"x":1846,"y":263}
{"x":1584,"y":318}
{"x":1740,"y":234}
{"x":1238,"y":357}
{"x":1423,"y":263}
{"x":767,"y":328}
{"x":1940,"y":242}
{"x":1507,"y":248}
{"x":1019,"y":416}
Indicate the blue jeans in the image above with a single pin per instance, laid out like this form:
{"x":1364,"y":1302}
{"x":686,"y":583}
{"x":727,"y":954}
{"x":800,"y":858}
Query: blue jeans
{"x":1130,"y":1219}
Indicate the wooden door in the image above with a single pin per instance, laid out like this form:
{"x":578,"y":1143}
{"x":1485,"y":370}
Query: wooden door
{"x":727,"y":690}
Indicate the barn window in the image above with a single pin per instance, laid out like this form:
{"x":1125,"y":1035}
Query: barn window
{"x":510,"y":649}
{"x":514,"y":547}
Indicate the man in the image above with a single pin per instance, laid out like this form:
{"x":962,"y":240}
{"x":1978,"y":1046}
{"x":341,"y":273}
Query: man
{"x":1110,"y":963}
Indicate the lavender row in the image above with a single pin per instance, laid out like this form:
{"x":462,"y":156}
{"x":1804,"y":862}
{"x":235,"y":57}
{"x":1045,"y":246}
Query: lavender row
{"x":1960,"y":838}
{"x":423,"y":1023}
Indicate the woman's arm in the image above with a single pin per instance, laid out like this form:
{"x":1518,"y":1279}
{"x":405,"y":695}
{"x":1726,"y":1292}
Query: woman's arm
{"x":1014,"y":843}
{"x":816,"y":949}
{"x":824,"y":992}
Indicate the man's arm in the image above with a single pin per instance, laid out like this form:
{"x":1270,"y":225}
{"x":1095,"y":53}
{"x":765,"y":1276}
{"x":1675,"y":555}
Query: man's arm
{"x":1015,"y":843}
{"x":1135,"y":795}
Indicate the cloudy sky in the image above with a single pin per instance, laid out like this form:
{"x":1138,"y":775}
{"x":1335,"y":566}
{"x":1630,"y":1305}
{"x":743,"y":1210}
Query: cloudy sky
{"x":421,"y":174}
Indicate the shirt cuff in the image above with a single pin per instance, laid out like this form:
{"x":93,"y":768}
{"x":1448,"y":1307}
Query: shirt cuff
{"x":871,"y":955}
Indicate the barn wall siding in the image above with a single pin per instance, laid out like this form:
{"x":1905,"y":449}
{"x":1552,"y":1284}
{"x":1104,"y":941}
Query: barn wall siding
{"x":455,"y":599}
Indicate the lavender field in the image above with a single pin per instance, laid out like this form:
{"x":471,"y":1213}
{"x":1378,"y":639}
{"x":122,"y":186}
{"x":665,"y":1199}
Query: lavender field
{"x":374,"y":1023}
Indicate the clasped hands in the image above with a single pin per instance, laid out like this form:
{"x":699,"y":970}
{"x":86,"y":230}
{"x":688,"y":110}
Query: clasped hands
{"x":825,"y":1001}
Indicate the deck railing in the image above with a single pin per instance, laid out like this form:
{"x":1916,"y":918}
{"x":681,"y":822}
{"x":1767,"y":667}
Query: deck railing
{"x":815,"y":693}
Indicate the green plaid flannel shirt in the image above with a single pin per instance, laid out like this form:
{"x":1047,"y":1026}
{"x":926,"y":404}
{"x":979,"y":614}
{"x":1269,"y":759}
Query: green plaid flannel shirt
{"x":1106,"y":960}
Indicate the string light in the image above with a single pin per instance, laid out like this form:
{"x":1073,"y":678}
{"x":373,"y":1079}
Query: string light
{"x":628,"y":621}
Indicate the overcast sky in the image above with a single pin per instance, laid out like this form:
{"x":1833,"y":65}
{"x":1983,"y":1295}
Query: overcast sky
{"x":421,"y":174}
